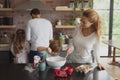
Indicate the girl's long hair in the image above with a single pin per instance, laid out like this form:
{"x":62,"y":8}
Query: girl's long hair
{"x":19,"y":41}
{"x":94,"y":18}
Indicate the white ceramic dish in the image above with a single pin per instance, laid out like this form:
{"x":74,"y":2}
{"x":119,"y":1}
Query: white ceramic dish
{"x":56,"y":62}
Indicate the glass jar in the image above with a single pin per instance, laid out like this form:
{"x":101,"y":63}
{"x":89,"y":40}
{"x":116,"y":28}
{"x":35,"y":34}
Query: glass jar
{"x":7,"y":4}
{"x":62,"y":39}
{"x":77,"y":21}
{"x":1,"y":5}
{"x":8,"y":20}
{"x":71,"y":4}
{"x":59,"y":23}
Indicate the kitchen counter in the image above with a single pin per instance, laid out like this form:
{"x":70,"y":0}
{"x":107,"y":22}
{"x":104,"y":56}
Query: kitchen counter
{"x":4,"y":47}
{"x":17,"y":72}
{"x":5,"y":54}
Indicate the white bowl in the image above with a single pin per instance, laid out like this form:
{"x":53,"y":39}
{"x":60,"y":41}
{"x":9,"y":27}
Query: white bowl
{"x":56,"y":62}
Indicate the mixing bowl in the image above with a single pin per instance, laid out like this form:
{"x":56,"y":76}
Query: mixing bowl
{"x":56,"y":62}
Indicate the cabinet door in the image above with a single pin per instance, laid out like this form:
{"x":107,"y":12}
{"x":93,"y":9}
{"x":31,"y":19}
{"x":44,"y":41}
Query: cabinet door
{"x":6,"y":57}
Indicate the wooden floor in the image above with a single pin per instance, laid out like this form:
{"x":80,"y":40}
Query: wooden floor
{"x":113,"y":70}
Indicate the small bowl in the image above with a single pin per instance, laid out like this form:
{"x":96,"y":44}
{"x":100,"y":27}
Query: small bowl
{"x":56,"y":62}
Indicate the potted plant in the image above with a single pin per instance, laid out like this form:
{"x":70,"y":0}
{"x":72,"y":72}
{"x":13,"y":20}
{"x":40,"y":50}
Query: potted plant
{"x":83,"y":4}
{"x":77,"y":4}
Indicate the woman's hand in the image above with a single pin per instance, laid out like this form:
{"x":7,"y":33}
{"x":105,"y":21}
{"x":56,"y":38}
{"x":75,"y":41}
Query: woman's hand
{"x":100,"y":66}
{"x":69,"y":50}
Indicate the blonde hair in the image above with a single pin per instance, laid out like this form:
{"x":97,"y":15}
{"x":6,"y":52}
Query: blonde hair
{"x":19,"y":41}
{"x":94,"y":18}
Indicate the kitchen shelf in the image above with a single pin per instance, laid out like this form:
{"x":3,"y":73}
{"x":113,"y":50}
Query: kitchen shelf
{"x":7,"y":26}
{"x":66,"y":9}
{"x":6,"y":9}
{"x":65,"y":26}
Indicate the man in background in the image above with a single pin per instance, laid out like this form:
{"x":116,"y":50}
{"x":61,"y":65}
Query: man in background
{"x":39,"y":32}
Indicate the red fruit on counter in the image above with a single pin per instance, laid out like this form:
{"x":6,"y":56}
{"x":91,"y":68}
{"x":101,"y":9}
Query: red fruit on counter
{"x":60,"y":73}
{"x":70,"y":71}
{"x":65,"y":68}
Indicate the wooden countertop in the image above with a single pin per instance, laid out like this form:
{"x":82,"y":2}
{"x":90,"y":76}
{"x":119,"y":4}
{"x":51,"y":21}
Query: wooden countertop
{"x":113,"y":70}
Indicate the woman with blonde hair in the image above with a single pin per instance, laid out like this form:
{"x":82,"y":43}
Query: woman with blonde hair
{"x":86,"y":39}
{"x":20,"y":47}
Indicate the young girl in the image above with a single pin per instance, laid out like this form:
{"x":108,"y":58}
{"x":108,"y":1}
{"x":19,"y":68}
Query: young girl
{"x":20,"y":47}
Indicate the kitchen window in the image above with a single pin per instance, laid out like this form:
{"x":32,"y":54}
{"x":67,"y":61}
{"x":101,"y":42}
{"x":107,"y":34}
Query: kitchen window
{"x":103,"y":8}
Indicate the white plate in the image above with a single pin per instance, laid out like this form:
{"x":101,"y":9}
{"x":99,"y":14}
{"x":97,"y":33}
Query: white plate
{"x":84,"y":68}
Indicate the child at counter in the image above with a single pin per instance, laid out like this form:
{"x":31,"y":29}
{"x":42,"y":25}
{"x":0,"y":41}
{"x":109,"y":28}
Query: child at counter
{"x":20,"y":47}
{"x":53,"y":50}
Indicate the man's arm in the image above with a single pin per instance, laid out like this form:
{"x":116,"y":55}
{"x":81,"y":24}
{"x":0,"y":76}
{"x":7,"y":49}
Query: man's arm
{"x":28,"y":32}
{"x":41,"y":49}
